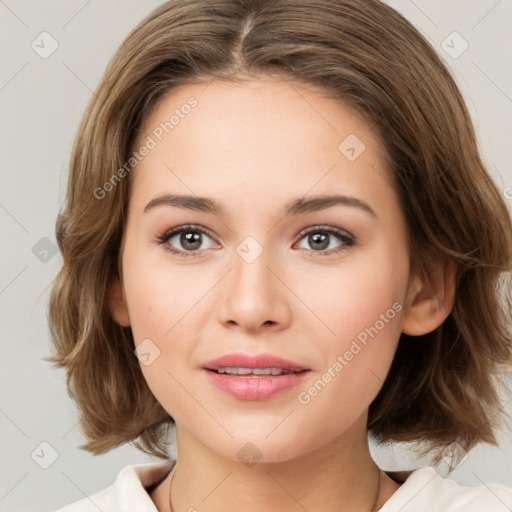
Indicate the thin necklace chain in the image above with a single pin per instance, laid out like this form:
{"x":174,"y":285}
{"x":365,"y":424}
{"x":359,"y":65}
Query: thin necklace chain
{"x":371,"y":510}
{"x":170,"y":486}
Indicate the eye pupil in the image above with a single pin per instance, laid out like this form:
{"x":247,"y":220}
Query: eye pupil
{"x":191,"y":238}
{"x":319,"y":240}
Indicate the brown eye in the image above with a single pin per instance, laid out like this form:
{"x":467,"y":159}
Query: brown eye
{"x":186,"y":240}
{"x":191,"y":240}
{"x":321,"y":238}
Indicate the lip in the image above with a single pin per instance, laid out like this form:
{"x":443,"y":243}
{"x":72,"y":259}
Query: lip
{"x":254,"y":388}
{"x":240,"y":360}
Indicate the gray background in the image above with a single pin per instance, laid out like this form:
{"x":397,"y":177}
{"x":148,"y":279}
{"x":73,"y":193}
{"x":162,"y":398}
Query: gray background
{"x":41,"y":102}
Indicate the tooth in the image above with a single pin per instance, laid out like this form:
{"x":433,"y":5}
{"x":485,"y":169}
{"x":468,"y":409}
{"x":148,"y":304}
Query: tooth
{"x":235,"y":371}
{"x":239,"y":371}
{"x":252,"y":371}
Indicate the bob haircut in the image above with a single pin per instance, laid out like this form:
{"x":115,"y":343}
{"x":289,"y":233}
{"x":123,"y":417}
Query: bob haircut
{"x":442,"y":387}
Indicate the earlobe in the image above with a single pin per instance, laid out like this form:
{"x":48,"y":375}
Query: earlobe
{"x":430,"y":300}
{"x":118,"y":306}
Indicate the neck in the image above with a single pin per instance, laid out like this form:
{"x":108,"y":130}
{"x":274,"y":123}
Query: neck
{"x":340,"y":475}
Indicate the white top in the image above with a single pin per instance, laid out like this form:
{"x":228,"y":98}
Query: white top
{"x":423,"y":491}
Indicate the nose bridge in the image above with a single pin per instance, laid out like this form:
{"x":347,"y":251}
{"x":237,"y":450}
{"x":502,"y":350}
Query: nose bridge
{"x":251,"y":261}
{"x":253,"y":296}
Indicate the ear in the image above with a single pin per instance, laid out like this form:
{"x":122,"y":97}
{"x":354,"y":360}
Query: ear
{"x":118,"y":305}
{"x":430,"y":299}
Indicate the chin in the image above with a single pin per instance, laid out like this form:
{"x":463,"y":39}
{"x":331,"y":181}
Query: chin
{"x":254,"y":447}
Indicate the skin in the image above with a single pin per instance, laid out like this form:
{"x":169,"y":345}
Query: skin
{"x":254,"y":147}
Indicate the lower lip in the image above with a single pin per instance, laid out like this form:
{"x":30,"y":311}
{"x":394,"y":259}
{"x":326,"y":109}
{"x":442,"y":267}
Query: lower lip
{"x":255,"y":388}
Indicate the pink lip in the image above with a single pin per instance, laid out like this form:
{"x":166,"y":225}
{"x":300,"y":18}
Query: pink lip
{"x":240,"y":360}
{"x":254,"y":388}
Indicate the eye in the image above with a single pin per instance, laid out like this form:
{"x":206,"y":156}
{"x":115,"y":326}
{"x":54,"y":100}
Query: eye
{"x":320,"y":238}
{"x":189,"y":237}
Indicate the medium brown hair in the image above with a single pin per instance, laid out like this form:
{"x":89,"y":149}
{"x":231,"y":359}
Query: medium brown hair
{"x":441,"y":387}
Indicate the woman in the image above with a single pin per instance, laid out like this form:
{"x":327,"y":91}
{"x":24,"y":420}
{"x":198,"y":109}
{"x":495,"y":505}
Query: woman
{"x":279,"y":237}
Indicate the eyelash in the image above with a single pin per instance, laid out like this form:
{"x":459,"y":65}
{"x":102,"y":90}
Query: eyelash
{"x":348,"y":240}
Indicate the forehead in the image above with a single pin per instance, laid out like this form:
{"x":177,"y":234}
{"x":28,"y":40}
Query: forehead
{"x":255,"y":108}
{"x":261,"y":135}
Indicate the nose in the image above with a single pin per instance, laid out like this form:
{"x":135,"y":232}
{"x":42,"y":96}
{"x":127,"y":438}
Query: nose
{"x":253,"y":295}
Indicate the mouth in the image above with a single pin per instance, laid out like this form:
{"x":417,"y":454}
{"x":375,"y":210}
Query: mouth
{"x":254,"y":377}
{"x":254,"y":372}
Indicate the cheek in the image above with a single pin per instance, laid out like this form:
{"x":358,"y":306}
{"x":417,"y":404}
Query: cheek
{"x":161,"y":294}
{"x":163,"y":301}
{"x":355,"y":295}
{"x":360,"y":307}
{"x":161,"y":327}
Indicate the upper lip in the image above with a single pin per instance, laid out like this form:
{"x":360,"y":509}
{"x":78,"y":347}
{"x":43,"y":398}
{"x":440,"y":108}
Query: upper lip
{"x":239,"y":360}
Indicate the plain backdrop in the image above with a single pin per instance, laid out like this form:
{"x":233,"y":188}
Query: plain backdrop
{"x":42,"y":98}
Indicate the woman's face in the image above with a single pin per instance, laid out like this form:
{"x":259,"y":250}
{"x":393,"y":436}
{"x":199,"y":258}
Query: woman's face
{"x":272,"y":269}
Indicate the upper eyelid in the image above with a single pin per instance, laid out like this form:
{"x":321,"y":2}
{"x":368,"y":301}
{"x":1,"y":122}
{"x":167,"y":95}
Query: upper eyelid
{"x":190,"y":227}
{"x":330,"y":229}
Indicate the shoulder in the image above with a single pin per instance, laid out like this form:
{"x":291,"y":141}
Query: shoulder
{"x":426,"y":491}
{"x":128,"y":493}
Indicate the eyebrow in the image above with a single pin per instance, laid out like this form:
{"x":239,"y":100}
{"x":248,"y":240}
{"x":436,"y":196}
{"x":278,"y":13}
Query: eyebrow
{"x":295,"y":207}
